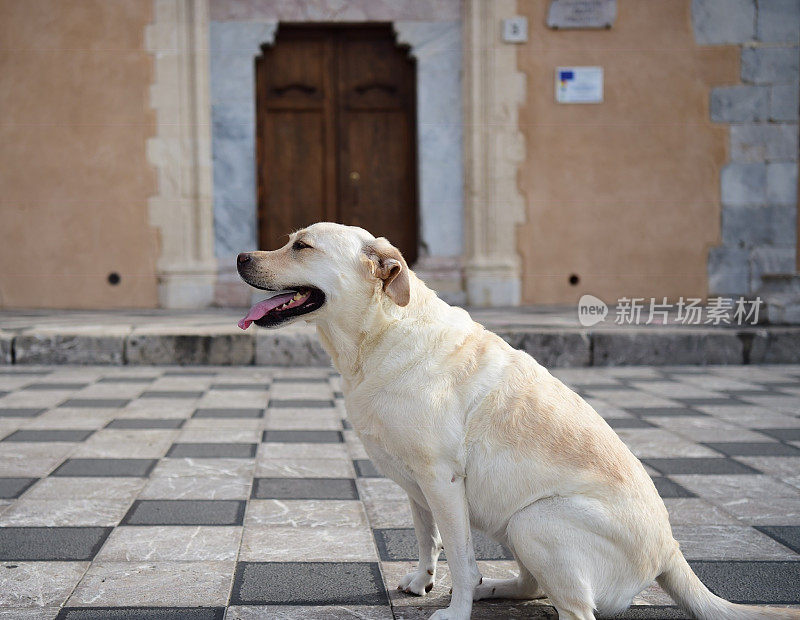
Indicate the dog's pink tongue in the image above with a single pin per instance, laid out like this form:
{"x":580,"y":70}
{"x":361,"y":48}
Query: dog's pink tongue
{"x":262,"y":307}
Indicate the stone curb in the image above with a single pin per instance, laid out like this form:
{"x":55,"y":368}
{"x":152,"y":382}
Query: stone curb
{"x":552,"y":347}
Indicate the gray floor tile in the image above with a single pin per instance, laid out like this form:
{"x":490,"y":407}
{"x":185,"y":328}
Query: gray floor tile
{"x":141,"y":613}
{"x":126,"y":379}
{"x":300,"y":403}
{"x":628,"y":423}
{"x":51,"y":543}
{"x":400,"y":544}
{"x":190,"y":372}
{"x":752,"y":448}
{"x":257,"y":387}
{"x":787,"y":535}
{"x":303,"y":436}
{"x":313,"y":583}
{"x":710,"y":402}
{"x":106,"y":467}
{"x":55,"y":386}
{"x":170,"y":543}
{"x":20,"y":412}
{"x":670,"y":488}
{"x":171,"y":394}
{"x":652,"y":612}
{"x":44,"y":435}
{"x":85,"y":403}
{"x":784,"y":434}
{"x":664,"y":411}
{"x":309,"y":612}
{"x":246,"y":412}
{"x":300,"y":380}
{"x":751,"y":582}
{"x":145,"y":423}
{"x":28,"y":589}
{"x":304,"y":488}
{"x":185,"y":512}
{"x":14,"y":487}
{"x":366,"y":469}
{"x":669,"y":466}
{"x":213,"y":450}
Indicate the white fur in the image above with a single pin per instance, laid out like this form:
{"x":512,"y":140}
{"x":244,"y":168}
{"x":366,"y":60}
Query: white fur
{"x":479,"y":434}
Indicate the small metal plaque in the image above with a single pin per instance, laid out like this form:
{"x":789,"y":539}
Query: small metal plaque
{"x":572,"y":14}
{"x":579,"y":84}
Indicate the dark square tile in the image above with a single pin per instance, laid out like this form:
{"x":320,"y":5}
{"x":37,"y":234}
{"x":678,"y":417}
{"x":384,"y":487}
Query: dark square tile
{"x":628,"y":423}
{"x":213,"y":450}
{"x":20,"y":412}
{"x":778,"y":385}
{"x":87,"y":403}
{"x":366,"y":469}
{"x":304,"y":488}
{"x":51,"y":543}
{"x":249,"y":412}
{"x":3,"y":394}
{"x":49,"y":435}
{"x":308,"y":583}
{"x":787,"y":535}
{"x":185,"y":512}
{"x":784,"y":434}
{"x":652,"y":612}
{"x":751,"y":582}
{"x":145,"y":423}
{"x":127,"y":468}
{"x":753,"y":448}
{"x":338,"y":394}
{"x":55,"y":386}
{"x":19,"y":372}
{"x":258,"y":387}
{"x":719,"y":401}
{"x":664,"y":411}
{"x":190,"y":372}
{"x":598,"y":387}
{"x":304,"y":436}
{"x":141,"y":613}
{"x":400,"y":545}
{"x":346,"y":424}
{"x":171,"y":394}
{"x":704,"y":465}
{"x":746,"y":393}
{"x":14,"y":487}
{"x":300,"y":403}
{"x":127,"y":379}
{"x":300,"y":380}
{"x":669,"y":488}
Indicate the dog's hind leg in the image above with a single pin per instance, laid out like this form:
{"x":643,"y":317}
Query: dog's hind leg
{"x":523,"y":586}
{"x":429,"y":543}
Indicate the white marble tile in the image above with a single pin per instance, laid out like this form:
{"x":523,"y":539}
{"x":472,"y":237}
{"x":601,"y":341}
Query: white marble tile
{"x":656,"y":443}
{"x":179,"y":584}
{"x":304,"y":468}
{"x":233,"y":398}
{"x":303,"y":612}
{"x":64,"y":512}
{"x":213,"y":468}
{"x":219,"y":435}
{"x":69,"y":418}
{"x":86,"y":488}
{"x":170,"y":544}
{"x":305,"y":513}
{"x":38,"y":583}
{"x":29,"y":613}
{"x":275,"y":450}
{"x":729,"y":542}
{"x":380,"y":489}
{"x":197,"y":487}
{"x":307,"y":544}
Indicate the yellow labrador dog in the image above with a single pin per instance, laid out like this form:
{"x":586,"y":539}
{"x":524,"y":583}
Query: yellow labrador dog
{"x":478,"y":434}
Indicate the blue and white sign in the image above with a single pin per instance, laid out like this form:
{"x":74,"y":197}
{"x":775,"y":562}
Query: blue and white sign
{"x":579,"y":84}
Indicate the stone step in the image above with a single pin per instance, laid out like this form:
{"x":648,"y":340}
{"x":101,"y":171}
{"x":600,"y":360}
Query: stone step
{"x":553,"y":346}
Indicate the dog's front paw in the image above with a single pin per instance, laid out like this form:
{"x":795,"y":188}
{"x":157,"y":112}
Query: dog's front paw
{"x":419,"y":582}
{"x":449,"y":613}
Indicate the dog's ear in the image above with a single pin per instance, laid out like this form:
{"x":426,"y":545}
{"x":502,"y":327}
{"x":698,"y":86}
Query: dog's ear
{"x":387,"y":263}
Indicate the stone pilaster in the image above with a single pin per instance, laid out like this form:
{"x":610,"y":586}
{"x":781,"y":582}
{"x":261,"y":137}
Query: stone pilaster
{"x":494,"y":150}
{"x":181,"y":153}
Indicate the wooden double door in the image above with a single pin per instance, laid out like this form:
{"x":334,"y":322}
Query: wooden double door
{"x":336,"y":133}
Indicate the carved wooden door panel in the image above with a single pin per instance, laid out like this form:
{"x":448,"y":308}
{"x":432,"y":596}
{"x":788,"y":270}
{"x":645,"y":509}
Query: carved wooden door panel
{"x":336,"y":133}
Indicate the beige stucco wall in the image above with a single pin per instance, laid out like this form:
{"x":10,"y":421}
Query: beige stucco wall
{"x":624,"y":194}
{"x":74,"y":88}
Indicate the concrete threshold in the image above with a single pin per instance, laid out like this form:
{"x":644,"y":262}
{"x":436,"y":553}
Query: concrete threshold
{"x":210,"y":337}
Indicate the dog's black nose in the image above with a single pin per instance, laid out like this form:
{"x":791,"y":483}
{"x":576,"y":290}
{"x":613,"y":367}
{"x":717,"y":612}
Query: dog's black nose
{"x":243,"y":259}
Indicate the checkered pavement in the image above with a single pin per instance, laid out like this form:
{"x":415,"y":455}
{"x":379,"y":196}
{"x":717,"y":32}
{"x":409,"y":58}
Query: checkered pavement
{"x":195,"y":493}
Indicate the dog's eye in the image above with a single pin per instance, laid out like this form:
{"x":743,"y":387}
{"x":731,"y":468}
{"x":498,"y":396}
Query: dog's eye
{"x":299,"y":245}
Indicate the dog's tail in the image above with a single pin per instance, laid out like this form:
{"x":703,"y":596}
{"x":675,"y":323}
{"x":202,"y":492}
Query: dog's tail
{"x":680,"y":582}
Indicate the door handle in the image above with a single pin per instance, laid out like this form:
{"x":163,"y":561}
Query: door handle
{"x":355,"y":177}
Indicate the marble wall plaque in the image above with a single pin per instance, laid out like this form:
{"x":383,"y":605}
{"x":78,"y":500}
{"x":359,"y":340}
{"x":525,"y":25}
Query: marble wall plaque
{"x":572,"y":14}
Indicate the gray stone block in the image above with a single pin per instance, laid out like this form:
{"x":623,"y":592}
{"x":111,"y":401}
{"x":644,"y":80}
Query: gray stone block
{"x":552,"y":349}
{"x":739,"y":104}
{"x":71,"y":345}
{"x":768,"y":260}
{"x":778,"y":21}
{"x":6,"y":348}
{"x":665,"y":347}
{"x":764,"y":142}
{"x":780,"y":294}
{"x":217,"y":348}
{"x":744,"y":184}
{"x":770,"y":65}
{"x":723,"y":21}
{"x":748,"y":227}
{"x":782,"y":183}
{"x":728,"y":271}
{"x":784,"y":102}
{"x":776,"y":346}
{"x":290,"y":348}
